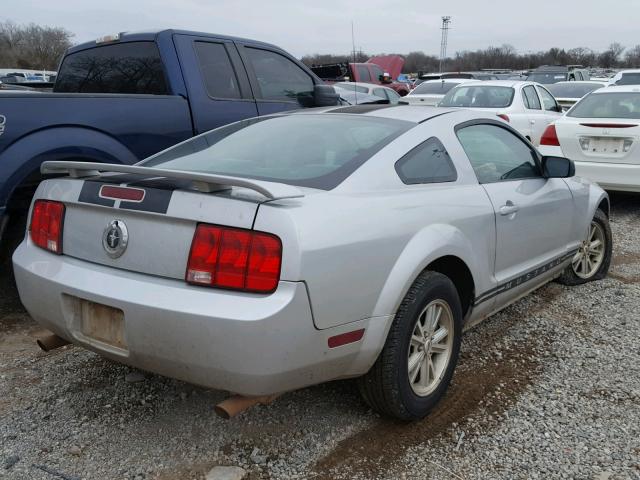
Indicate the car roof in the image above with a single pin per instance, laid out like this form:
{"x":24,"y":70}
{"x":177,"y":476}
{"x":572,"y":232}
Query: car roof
{"x":408,"y":113}
{"x":618,"y":89}
{"x":151,"y":35}
{"x":450,"y":80}
{"x":501,"y":83}
{"x":632,"y":70}
{"x":581,"y":82}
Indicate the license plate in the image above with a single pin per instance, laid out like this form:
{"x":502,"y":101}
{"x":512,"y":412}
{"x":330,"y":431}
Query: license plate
{"x":606,"y":145}
{"x":102,"y":323}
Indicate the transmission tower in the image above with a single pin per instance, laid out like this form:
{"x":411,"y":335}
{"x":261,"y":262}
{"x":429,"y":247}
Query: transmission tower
{"x":443,"y":44}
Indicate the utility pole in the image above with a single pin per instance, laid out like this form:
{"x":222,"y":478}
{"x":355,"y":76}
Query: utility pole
{"x":443,"y":44}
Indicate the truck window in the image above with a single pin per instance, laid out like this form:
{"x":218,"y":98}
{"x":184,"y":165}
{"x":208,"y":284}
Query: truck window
{"x":219,"y":77}
{"x":279,"y":78}
{"x":132,"y":67}
{"x":363,"y":73}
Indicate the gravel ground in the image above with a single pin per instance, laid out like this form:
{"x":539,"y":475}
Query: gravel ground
{"x":549,"y":388}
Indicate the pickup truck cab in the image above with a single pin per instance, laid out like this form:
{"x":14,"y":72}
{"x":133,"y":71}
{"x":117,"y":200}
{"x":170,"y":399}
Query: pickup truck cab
{"x":359,"y":72}
{"x":125,"y":97}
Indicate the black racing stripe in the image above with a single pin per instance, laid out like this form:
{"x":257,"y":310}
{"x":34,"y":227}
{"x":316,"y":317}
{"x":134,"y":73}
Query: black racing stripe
{"x":156,"y":200}
{"x":90,"y":194}
{"x":524,"y":278}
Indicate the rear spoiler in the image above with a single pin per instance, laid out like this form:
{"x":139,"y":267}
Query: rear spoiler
{"x":204,"y":182}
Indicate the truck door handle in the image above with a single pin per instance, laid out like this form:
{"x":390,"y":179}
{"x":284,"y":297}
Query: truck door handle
{"x":509,"y":208}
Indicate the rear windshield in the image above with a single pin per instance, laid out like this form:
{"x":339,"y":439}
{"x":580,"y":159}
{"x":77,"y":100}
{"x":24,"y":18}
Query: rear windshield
{"x":608,"y":105}
{"x":547,"y":78}
{"x":133,"y":67}
{"x":572,"y":89}
{"x":435,"y":88}
{"x":629,"y":79}
{"x":308,"y":150}
{"x":479,"y":97}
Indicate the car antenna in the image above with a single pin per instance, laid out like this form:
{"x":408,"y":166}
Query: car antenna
{"x":353,"y":45}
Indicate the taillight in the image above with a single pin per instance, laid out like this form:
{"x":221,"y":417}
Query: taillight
{"x":46,"y":225}
{"x":504,"y":116}
{"x":550,"y":137}
{"x":234,"y":258}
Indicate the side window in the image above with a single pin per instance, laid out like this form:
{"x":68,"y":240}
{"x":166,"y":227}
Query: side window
{"x":393,"y":96}
{"x":429,"y":162}
{"x":496,"y":154}
{"x":363,"y":73}
{"x":219,"y":77}
{"x":279,"y":78}
{"x":376,"y":72}
{"x":531,"y":100}
{"x":547,"y":99}
{"x":379,"y":92}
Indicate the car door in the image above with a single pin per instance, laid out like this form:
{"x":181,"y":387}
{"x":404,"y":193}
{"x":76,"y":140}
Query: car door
{"x":278,"y":83}
{"x":552,"y":109}
{"x":535,"y":116}
{"x":220,"y":94}
{"x":532,"y":213}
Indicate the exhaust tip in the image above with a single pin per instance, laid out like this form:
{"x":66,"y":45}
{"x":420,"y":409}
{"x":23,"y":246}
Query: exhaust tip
{"x":237,"y":404}
{"x":51,"y":342}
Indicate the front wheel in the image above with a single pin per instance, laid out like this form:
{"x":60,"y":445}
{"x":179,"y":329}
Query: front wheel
{"x":417,"y":362}
{"x":593,"y":258}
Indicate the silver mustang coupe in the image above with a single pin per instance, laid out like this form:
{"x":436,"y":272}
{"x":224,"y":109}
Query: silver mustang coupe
{"x":289,"y":250}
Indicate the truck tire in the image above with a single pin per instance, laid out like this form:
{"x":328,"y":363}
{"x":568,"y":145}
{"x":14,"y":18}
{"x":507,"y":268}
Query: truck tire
{"x":416,"y":364}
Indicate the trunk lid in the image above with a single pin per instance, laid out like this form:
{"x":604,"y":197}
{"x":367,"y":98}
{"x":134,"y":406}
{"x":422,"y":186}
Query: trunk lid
{"x":159,"y":222}
{"x":600,"y":140}
{"x":427,"y":100}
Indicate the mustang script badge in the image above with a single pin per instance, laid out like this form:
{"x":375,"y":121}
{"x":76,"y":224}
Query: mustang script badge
{"x":115,"y":238}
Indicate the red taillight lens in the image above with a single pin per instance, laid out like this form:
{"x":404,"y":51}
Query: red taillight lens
{"x":46,"y":225}
{"x":234,"y":258}
{"x":550,"y":137}
{"x":504,"y":116}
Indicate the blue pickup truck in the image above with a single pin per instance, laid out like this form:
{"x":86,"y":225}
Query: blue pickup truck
{"x":128,"y":96}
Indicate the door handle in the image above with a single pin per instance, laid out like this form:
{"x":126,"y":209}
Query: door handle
{"x":532,"y":122}
{"x":509,"y":208}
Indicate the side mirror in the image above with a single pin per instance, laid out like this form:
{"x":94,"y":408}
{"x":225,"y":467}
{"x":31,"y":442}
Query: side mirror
{"x":325,"y":96}
{"x":558,"y":167}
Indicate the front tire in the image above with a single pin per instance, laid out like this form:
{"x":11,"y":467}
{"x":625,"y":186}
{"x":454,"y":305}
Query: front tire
{"x":415,"y":367}
{"x":593,"y":259}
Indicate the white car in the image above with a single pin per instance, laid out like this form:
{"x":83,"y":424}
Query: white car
{"x":568,"y":93}
{"x":429,"y":93}
{"x":601,"y":135}
{"x":385,"y":93}
{"x":626,"y":77}
{"x":527,"y":106}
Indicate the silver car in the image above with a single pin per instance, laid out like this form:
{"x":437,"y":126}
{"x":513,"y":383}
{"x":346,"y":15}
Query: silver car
{"x":289,"y":250}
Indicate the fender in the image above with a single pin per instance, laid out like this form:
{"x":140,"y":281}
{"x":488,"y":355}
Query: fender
{"x":25,"y":155}
{"x":429,"y":244}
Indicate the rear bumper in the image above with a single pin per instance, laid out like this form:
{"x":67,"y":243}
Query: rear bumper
{"x":611,"y":176}
{"x":244,"y":343}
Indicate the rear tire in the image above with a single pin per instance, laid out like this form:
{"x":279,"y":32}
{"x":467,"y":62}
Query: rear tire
{"x":420,"y":338}
{"x":594,"y":257}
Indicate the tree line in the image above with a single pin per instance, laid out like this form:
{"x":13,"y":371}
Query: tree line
{"x":503,"y":57}
{"x":32,"y":47}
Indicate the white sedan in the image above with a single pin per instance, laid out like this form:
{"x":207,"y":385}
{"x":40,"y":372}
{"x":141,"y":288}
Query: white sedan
{"x":429,"y":93}
{"x":527,"y":106}
{"x":371,"y":89}
{"x":601,"y":134}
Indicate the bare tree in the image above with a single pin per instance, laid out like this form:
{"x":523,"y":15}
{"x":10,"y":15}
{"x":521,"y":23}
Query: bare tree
{"x":32,"y":46}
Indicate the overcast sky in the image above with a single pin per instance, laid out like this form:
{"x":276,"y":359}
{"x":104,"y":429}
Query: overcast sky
{"x":324,"y":26}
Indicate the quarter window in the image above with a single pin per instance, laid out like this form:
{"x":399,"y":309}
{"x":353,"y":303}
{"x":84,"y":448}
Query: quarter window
{"x":429,"y":162}
{"x":379,"y":92}
{"x":279,"y":78}
{"x":547,"y":99}
{"x":496,"y":154}
{"x":531,"y":100}
{"x":363,"y":73}
{"x":219,"y":77}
